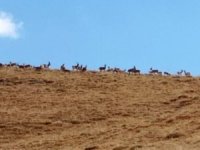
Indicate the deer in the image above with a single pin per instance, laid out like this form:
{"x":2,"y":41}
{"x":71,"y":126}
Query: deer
{"x":134,"y":70}
{"x":1,"y":65}
{"x":116,"y":70}
{"x":84,"y":69}
{"x":102,"y":68}
{"x":11,"y":64}
{"x":180,"y":72}
{"x":62,"y":68}
{"x":80,"y":68}
{"x":24,"y":66}
{"x":46,"y":66}
{"x":153,"y":71}
{"x":110,"y":69}
{"x":38,"y":68}
{"x":21,"y":66}
{"x":167,"y":74}
{"x":75,"y":67}
{"x":188,"y":74}
{"x":27,"y":66}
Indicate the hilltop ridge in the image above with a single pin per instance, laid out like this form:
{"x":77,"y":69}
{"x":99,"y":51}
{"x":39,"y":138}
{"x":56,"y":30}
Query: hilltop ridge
{"x":51,"y":109}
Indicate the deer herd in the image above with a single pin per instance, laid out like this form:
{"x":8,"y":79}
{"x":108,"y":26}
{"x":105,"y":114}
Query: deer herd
{"x":104,"y":68}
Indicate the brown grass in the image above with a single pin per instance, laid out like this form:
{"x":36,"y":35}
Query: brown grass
{"x":97,"y":111}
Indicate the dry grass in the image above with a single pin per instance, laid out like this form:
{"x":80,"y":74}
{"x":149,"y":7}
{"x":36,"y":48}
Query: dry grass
{"x":97,"y":111}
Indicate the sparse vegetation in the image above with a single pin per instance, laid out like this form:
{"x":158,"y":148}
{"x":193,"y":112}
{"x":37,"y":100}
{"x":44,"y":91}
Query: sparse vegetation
{"x":52,"y":109}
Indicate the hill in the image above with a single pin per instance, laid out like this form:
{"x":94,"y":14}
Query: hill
{"x":50,"y":109}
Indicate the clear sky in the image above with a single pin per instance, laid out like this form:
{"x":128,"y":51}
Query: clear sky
{"x":163,"y":34}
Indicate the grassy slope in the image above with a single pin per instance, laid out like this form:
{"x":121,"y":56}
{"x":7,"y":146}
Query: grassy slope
{"x":56,"y":110}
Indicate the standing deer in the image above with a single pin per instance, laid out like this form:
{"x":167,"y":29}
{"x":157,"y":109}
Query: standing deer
{"x":153,"y":71}
{"x":84,"y":68}
{"x":167,"y":74}
{"x":102,"y":68}
{"x":1,"y":65}
{"x":80,"y":68}
{"x":110,"y":69}
{"x":180,"y":72}
{"x":188,"y":74}
{"x":46,"y":66}
{"x":134,"y":70}
{"x":75,"y":67}
{"x":38,"y":68}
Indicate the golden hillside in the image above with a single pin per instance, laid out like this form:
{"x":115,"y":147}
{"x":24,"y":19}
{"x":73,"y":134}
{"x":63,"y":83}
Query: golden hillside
{"x":97,"y":111}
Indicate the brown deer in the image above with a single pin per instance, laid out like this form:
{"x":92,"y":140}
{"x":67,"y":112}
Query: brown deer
{"x":102,"y":68}
{"x":1,"y":65}
{"x":180,"y":73}
{"x":110,"y":69}
{"x":134,"y":70}
{"x":75,"y":67}
{"x":188,"y":74}
{"x":38,"y":68}
{"x":62,"y":68}
{"x":84,"y":69}
{"x":167,"y":74}
{"x":46,"y":66}
{"x":153,"y":71}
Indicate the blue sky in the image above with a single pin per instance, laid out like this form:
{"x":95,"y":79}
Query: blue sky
{"x":163,"y":34}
